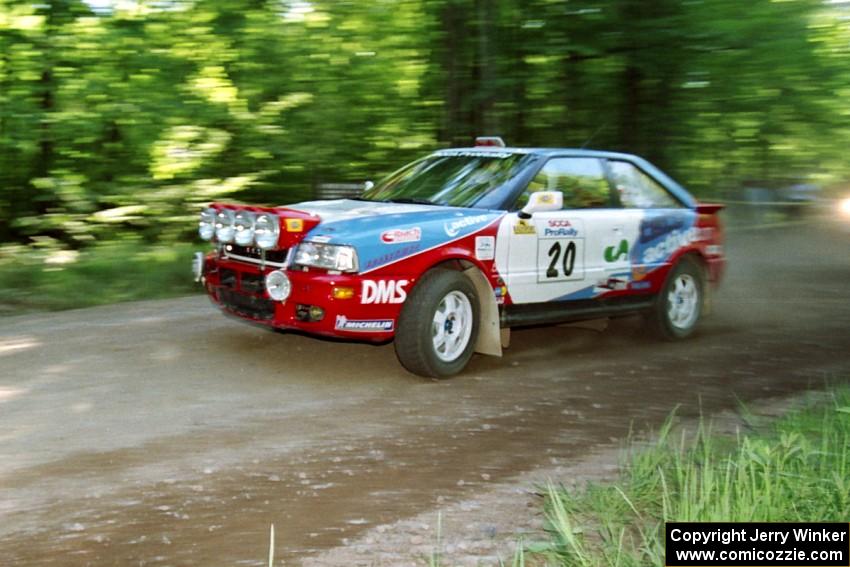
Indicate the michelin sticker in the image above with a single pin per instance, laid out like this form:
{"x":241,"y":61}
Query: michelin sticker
{"x":343,"y":323}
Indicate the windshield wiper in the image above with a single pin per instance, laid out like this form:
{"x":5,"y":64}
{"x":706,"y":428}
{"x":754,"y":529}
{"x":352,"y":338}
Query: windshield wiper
{"x":411,"y":200}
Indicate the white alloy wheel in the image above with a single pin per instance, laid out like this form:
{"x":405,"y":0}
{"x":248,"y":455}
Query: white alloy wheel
{"x":678,"y":307}
{"x":683,"y":302}
{"x":451,"y":328}
{"x":438,"y":324}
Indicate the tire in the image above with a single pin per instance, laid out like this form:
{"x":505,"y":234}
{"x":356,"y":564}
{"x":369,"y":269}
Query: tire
{"x":678,"y":308}
{"x":438,"y":325}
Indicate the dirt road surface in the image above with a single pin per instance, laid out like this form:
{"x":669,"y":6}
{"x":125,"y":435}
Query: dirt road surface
{"x":162,"y":433}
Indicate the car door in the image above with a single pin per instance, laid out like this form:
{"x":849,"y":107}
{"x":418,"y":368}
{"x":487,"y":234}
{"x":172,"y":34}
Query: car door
{"x":578,"y":252}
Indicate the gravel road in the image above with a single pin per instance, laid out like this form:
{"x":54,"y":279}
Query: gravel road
{"x":162,"y":433}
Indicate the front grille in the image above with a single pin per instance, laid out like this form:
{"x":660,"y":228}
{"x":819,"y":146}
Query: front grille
{"x":227,"y":278}
{"x":241,"y":281}
{"x":254,"y":254}
{"x":246,"y":305}
{"x":253,"y":283}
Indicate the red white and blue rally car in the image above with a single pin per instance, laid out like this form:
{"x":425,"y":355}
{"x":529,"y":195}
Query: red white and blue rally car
{"x":445,"y":255}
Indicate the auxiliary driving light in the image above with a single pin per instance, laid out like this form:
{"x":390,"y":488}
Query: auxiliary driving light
{"x":266,"y":230}
{"x":243,"y":223}
{"x":206,"y":226}
{"x":278,"y":285}
{"x":224,"y":225}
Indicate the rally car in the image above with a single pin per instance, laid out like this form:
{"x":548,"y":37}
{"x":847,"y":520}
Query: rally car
{"x":448,"y":253}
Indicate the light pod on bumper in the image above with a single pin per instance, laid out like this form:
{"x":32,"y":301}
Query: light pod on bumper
{"x":206,"y":226}
{"x":224,"y":228}
{"x":243,"y":224}
{"x":266,"y":230}
{"x":278,"y":285}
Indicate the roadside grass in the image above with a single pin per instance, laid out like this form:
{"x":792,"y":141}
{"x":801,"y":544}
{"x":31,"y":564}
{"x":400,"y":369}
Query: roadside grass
{"x":795,"y":469}
{"x":39,"y":279}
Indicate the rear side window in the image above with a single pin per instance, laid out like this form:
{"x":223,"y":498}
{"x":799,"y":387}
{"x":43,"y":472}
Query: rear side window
{"x":580,"y":180}
{"x":639,"y":191}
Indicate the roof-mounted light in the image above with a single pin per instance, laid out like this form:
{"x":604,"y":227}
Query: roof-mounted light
{"x":489,"y":142}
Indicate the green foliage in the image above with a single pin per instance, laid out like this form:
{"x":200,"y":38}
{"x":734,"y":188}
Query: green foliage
{"x":126,"y":120}
{"x":794,"y":471}
{"x":46,"y":277}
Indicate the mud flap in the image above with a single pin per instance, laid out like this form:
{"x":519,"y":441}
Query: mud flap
{"x":489,"y":335}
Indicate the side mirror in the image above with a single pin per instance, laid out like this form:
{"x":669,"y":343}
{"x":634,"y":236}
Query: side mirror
{"x":542,"y":201}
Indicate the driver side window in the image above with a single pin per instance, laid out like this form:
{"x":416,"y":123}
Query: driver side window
{"x":580,"y":180}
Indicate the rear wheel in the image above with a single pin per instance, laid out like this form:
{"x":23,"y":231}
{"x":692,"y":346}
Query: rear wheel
{"x":438,"y":325}
{"x":678,"y":308}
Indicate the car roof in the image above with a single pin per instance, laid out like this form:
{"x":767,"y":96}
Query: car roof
{"x":578,"y":152}
{"x":641,"y":163}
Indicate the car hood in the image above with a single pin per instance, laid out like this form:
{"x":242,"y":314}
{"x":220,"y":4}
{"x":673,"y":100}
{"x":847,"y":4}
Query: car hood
{"x":384,"y":233}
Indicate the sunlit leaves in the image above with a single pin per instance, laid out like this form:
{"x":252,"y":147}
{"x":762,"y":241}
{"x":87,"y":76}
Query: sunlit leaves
{"x":184,"y":149}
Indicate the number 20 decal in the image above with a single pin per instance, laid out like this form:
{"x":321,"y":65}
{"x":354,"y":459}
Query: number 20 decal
{"x":568,"y":263}
{"x":560,"y":260}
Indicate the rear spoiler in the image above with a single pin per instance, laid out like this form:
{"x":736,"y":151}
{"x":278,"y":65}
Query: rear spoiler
{"x":709,"y":208}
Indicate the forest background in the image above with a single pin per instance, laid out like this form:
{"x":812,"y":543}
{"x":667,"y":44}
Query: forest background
{"x":121,"y":119}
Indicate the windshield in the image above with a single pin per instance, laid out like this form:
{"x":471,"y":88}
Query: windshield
{"x":456,"y":179}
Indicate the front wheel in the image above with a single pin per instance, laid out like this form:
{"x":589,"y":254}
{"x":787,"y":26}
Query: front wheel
{"x":678,"y":308}
{"x":438,"y":325}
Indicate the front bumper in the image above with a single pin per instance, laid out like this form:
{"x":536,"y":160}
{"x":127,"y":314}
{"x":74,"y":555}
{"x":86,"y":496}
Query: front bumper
{"x":239,"y":289}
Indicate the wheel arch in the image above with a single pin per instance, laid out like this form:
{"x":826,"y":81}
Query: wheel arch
{"x":489,"y":339}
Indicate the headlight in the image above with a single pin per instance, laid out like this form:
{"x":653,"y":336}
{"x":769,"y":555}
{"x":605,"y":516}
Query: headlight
{"x":224,"y":225}
{"x":844,"y":207}
{"x":243,"y":224}
{"x":278,"y":285}
{"x":327,"y":256}
{"x":206,"y":227}
{"x":266,"y":230}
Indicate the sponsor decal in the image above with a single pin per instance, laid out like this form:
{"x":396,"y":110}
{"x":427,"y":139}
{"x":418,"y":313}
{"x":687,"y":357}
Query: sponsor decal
{"x":545,"y":199}
{"x":320,"y":239}
{"x":383,"y":291}
{"x":485,"y":247}
{"x":294,"y":225}
{"x":668,"y":245}
{"x":500,"y":292}
{"x":454,"y":227}
{"x":524,"y":227}
{"x":560,"y":228}
{"x":640,"y":285}
{"x":559,"y":232}
{"x":396,"y":254}
{"x":401,"y":235}
{"x":343,"y":323}
{"x":614,"y":253}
